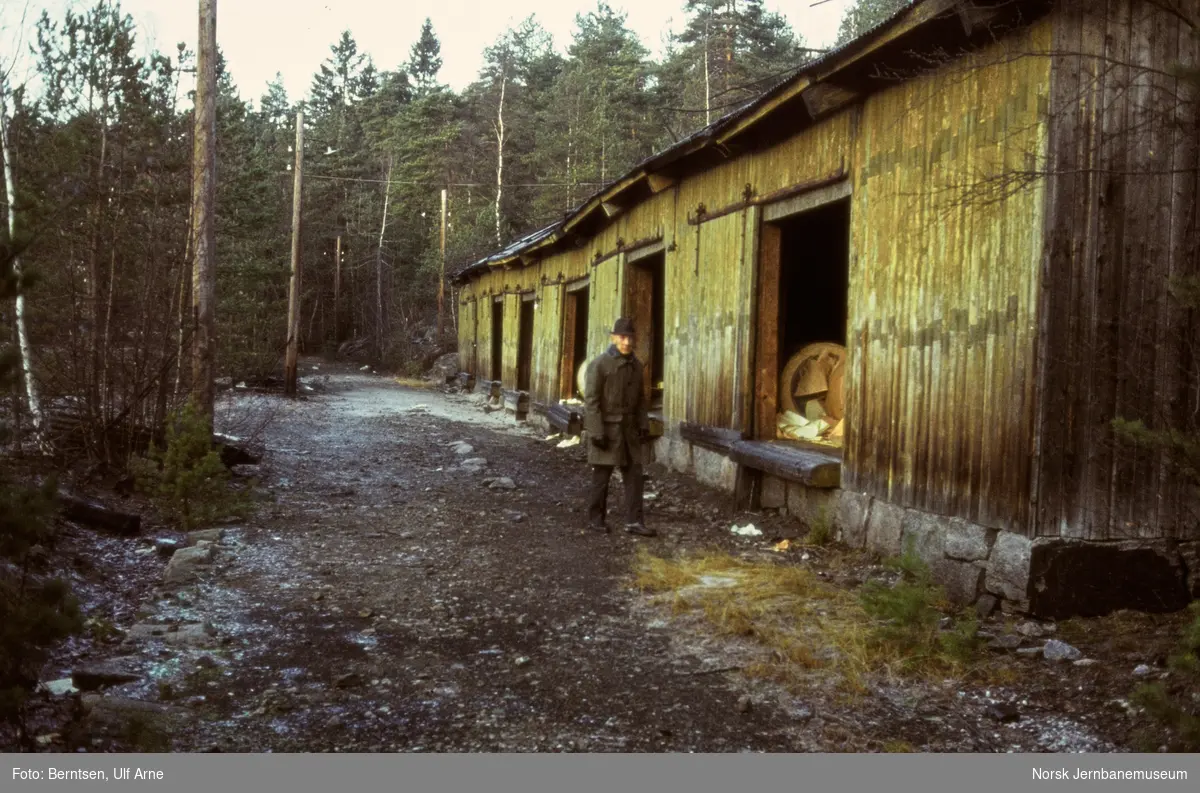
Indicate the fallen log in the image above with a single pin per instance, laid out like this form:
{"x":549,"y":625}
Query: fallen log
{"x":92,"y":513}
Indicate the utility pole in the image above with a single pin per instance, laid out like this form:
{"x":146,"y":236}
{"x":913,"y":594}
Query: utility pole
{"x":289,"y":364}
{"x":442,"y":273}
{"x":337,"y":293}
{"x":204,"y":184}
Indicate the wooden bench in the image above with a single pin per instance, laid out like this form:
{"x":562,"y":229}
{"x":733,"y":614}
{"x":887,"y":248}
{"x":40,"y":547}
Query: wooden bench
{"x":564,"y":418}
{"x":795,"y":461}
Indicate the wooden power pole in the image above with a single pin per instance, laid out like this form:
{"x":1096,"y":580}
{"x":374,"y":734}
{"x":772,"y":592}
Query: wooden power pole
{"x":337,"y":293}
{"x":442,"y":273}
{"x":204,"y":166}
{"x":293,"y":334}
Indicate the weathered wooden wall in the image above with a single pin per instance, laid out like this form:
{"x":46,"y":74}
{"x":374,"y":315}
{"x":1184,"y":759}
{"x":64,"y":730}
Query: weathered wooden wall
{"x":945,"y":254}
{"x":466,"y":332}
{"x":547,"y":342}
{"x":943,"y":282}
{"x":1121,"y":221}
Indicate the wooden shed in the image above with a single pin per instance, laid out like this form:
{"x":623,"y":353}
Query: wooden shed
{"x":982,"y":204}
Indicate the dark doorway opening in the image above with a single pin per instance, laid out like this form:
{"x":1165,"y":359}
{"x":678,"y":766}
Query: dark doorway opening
{"x":525,"y":343}
{"x":645,"y":304}
{"x":804,"y":282}
{"x":497,"y":338}
{"x":575,"y":338}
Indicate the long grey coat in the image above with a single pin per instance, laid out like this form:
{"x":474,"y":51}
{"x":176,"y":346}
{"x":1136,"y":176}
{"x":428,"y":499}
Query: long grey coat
{"x":615,"y":407}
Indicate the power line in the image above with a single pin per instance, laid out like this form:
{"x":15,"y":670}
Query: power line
{"x":453,"y":184}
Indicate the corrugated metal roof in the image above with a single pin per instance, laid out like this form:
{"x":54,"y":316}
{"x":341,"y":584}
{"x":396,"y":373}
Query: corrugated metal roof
{"x":709,"y":132}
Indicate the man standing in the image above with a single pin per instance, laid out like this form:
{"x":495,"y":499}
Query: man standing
{"x":617,"y":426}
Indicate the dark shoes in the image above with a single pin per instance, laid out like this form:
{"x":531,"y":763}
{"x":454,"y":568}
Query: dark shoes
{"x":598,"y":526}
{"x":640,"y":530}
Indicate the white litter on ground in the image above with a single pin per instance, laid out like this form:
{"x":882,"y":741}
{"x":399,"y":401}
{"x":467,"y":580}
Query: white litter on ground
{"x":568,"y":443}
{"x":748,"y":530}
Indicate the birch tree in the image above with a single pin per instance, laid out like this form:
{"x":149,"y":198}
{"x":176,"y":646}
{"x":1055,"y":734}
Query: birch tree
{"x":10,"y":191}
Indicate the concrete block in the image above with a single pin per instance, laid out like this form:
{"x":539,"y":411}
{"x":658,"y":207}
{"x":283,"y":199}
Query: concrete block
{"x":850,"y":517}
{"x":678,"y":455}
{"x":885,"y":527}
{"x":713,"y":469}
{"x":925,"y":534}
{"x":774,"y":492}
{"x":968,"y":541}
{"x":1090,"y":579}
{"x":1008,"y":567}
{"x":961,"y":580}
{"x":811,"y":505}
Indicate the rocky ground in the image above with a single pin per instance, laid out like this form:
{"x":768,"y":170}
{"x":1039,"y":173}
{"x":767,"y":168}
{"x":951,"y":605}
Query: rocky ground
{"x":419,"y":579}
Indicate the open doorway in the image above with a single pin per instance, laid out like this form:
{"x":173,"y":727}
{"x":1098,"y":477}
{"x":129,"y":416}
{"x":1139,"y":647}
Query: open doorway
{"x":645,"y":302}
{"x":525,"y":343}
{"x":575,"y":338}
{"x":804,"y":261}
{"x":497,"y":337}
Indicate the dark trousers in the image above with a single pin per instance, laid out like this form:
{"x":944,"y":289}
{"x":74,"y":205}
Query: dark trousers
{"x":631,"y":475}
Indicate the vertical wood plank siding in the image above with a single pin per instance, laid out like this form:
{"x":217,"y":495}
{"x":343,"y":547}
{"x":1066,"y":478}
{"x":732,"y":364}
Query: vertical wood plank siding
{"x":942,"y":290}
{"x":1121,"y":221}
{"x":945,"y":255}
{"x":466,"y":332}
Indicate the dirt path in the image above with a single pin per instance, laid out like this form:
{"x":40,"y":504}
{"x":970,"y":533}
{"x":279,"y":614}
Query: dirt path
{"x":390,"y":601}
{"x":386,"y":599}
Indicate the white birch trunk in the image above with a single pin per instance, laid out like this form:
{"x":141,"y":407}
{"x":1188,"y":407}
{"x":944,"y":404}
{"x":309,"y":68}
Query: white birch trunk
{"x":10,"y":189}
{"x":707,"y":86}
{"x":387,"y":196}
{"x":500,"y":154}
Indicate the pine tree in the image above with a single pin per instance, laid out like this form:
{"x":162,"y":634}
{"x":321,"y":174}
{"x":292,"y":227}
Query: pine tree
{"x":425,"y":60}
{"x":603,"y":99}
{"x":864,"y":15}
{"x":729,"y":52}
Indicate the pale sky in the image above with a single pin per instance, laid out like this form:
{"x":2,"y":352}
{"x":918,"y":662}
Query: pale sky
{"x":262,"y":37}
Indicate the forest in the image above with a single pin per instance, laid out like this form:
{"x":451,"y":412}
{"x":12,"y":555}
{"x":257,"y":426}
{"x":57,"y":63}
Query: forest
{"x":99,"y":158}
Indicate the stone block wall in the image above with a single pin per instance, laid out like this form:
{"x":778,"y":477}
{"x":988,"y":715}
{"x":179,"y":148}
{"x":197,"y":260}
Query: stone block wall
{"x":981,"y":566}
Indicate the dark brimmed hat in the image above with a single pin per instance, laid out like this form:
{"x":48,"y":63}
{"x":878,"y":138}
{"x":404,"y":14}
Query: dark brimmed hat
{"x":623,"y":327}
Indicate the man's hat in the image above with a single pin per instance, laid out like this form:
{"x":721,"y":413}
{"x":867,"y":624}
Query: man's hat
{"x":623,"y":327}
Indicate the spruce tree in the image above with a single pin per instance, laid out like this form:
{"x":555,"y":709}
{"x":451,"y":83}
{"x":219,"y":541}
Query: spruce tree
{"x":425,"y":61}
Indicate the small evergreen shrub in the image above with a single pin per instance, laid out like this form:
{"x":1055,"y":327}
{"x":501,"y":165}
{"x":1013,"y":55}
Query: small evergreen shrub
{"x":36,"y":611}
{"x":187,"y":479}
{"x":908,"y":618}
{"x":1175,"y":706}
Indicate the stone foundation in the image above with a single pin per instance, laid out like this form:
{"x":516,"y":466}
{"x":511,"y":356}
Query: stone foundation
{"x":708,"y":467}
{"x":1049,"y":578}
{"x":1044,"y":577}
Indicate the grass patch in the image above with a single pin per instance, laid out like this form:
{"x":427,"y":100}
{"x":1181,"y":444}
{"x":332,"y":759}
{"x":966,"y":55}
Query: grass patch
{"x":898,"y":747}
{"x":907,"y":621}
{"x":806,"y":625}
{"x":414,"y":382}
{"x":820,"y":530}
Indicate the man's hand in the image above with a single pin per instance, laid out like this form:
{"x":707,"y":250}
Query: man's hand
{"x":600,"y":442}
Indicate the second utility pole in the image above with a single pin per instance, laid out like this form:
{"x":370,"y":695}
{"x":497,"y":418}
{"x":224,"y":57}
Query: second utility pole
{"x":293,"y":333}
{"x":442,"y":273}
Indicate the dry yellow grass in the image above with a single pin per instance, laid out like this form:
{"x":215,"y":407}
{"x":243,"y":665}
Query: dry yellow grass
{"x":413,"y":382}
{"x":805,"y":625}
